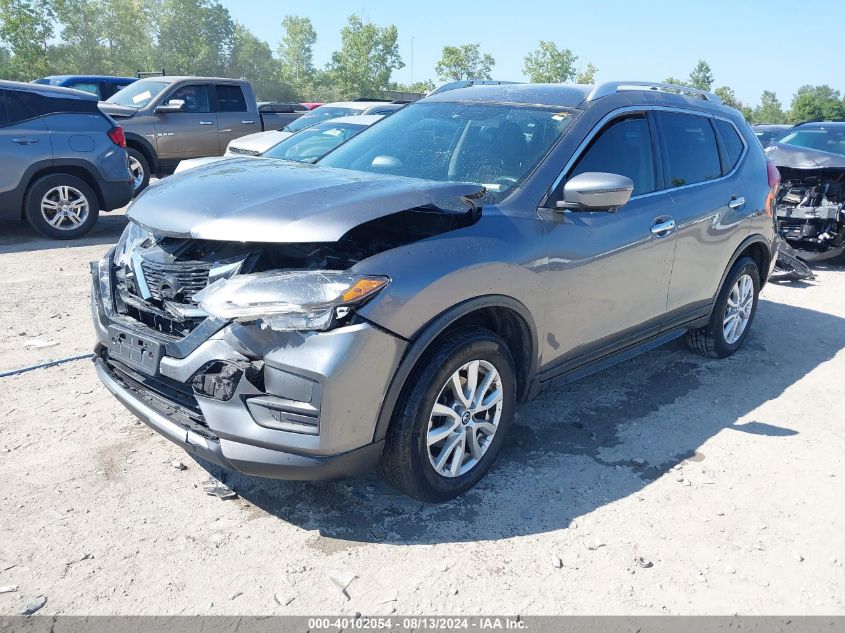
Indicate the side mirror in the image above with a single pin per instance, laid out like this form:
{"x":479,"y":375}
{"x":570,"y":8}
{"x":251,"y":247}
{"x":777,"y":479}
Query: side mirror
{"x":174,"y":105}
{"x":596,"y":191}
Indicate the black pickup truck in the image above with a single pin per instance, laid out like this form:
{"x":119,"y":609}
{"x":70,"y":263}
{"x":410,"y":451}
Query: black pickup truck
{"x":168,"y":119}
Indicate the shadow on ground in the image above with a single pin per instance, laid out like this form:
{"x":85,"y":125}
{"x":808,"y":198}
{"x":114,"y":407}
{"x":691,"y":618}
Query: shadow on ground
{"x":580,"y":446}
{"x":19,"y":237}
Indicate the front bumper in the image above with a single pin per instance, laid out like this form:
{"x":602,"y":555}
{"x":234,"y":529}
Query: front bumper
{"x":312,"y":415}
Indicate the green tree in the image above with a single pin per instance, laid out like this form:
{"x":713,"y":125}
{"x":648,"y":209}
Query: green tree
{"x":675,"y":81}
{"x":419,"y":87}
{"x":252,"y":59}
{"x":550,"y":64}
{"x":26,"y":27}
{"x":464,"y":62}
{"x":83,"y":27}
{"x":816,"y":103}
{"x":701,"y":76}
{"x":296,"y":54}
{"x":367,"y":57}
{"x":587,"y":76}
{"x":194,"y":37}
{"x":129,"y":37}
{"x":769,"y":110}
{"x":728,"y":97}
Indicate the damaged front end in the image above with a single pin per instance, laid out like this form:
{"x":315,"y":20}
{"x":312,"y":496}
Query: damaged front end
{"x":810,"y":202}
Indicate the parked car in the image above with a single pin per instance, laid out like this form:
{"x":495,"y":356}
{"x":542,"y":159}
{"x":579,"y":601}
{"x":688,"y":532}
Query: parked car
{"x":385,"y":108}
{"x":312,"y":104}
{"x":169,"y":119}
{"x":810,"y":204}
{"x":393,"y":302}
{"x":283,"y":113}
{"x":61,"y":160}
{"x":467,"y":83}
{"x":768,"y":133}
{"x":306,"y":146}
{"x":254,"y":144}
{"x":104,"y":86}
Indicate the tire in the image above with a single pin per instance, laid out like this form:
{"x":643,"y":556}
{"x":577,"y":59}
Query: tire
{"x":717,"y":339}
{"x":407,"y":463}
{"x":139,"y":167}
{"x":61,"y":206}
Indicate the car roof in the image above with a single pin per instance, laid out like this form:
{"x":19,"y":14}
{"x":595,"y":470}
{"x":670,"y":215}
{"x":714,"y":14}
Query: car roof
{"x":90,"y":77}
{"x":563,"y":95}
{"x":357,"y":119}
{"x":49,"y":91}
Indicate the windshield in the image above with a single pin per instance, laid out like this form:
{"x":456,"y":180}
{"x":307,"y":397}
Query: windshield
{"x":823,"y":139}
{"x":320,"y":114}
{"x":138,"y":94}
{"x":315,"y":142}
{"x":493,"y":145}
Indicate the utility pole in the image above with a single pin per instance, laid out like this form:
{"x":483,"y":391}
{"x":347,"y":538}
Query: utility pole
{"x":412,"y":59}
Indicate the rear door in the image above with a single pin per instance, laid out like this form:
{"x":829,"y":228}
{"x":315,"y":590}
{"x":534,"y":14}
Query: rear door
{"x":709,"y":197}
{"x":24,"y":140}
{"x":234,"y":117}
{"x":191,"y":133}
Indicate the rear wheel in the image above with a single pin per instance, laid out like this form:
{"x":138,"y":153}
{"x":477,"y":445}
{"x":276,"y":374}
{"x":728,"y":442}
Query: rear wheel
{"x":139,"y":167}
{"x":61,"y":206}
{"x":732,"y":315}
{"x":452,"y":418}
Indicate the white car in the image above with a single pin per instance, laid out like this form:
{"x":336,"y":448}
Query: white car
{"x":306,"y":146}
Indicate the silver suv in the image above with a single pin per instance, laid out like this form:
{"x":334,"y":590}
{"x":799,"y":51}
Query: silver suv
{"x":393,"y":303}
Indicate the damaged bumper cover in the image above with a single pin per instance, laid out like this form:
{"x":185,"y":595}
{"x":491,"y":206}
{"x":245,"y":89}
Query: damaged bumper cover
{"x":285,"y":405}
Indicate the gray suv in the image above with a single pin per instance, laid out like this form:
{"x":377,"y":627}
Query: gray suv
{"x":391,"y":304}
{"x":61,"y":159}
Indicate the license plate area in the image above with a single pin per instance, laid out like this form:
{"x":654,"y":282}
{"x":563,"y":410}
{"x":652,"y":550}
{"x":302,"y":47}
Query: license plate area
{"x":137,"y":352}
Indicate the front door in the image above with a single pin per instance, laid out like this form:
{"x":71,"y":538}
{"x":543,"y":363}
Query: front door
{"x":191,"y":133}
{"x":608,"y":272}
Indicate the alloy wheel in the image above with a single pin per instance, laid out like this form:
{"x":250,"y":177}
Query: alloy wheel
{"x":738,"y":309}
{"x":464,"y":418}
{"x":65,"y":207}
{"x":137,"y":171}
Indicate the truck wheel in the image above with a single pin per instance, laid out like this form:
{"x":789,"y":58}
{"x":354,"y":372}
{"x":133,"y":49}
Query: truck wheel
{"x":732,"y":315}
{"x":452,"y":417}
{"x":139,"y":167}
{"x":61,"y":206}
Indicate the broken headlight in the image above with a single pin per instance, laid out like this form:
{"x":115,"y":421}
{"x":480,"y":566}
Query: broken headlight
{"x":289,"y":300}
{"x":132,"y":236}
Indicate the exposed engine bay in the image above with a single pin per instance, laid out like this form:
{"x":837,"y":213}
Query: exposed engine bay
{"x":157,"y":277}
{"x":810,"y":202}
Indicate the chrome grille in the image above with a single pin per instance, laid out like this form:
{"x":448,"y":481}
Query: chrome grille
{"x":188,"y":279}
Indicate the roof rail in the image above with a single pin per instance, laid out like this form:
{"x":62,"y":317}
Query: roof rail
{"x":612,"y":87}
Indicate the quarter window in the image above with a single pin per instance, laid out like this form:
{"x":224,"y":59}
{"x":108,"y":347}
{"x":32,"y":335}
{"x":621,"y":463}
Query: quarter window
{"x":733,"y":143}
{"x":623,"y":148}
{"x":195,"y":98}
{"x":230,"y":99}
{"x":12,"y":109}
{"x":691,"y":150}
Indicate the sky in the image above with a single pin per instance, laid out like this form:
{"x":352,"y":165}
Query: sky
{"x":751,"y":45}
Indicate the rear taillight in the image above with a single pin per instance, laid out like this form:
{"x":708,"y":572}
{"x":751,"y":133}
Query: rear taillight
{"x":116,"y":134}
{"x":774,"y":174}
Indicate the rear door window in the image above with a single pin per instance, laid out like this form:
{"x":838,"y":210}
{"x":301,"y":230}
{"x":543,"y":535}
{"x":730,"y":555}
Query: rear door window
{"x":230,"y":99}
{"x":732,"y":141}
{"x":12,"y":108}
{"x":623,"y":147}
{"x":690,"y":148}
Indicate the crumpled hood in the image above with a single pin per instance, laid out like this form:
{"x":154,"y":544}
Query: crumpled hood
{"x":783,"y":155}
{"x":269,"y":200}
{"x":116,"y":111}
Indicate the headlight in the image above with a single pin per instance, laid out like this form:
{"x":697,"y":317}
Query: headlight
{"x":132,"y":235}
{"x":288,"y":300}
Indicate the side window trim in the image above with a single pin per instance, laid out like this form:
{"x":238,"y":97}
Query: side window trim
{"x":12,"y":94}
{"x":723,"y":146}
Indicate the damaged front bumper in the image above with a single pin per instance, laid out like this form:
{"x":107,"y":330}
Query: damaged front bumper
{"x":285,"y":405}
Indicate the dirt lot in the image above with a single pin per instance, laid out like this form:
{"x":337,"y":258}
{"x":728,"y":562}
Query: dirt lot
{"x":668,"y":484}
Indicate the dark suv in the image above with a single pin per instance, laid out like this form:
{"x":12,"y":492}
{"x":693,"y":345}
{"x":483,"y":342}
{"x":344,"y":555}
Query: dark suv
{"x":392,"y":303}
{"x":61,"y":160}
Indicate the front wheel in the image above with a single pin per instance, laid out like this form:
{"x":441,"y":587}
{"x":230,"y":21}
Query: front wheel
{"x":732,"y":315}
{"x":452,"y":418}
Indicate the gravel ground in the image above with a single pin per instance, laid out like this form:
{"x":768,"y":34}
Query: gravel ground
{"x":668,"y":484}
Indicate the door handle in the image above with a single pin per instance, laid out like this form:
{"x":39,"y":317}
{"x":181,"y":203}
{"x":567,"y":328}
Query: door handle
{"x":737,"y":202}
{"x":206,"y":122}
{"x":663,"y":228}
{"x":24,"y":140}
{"x":248,"y":122}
